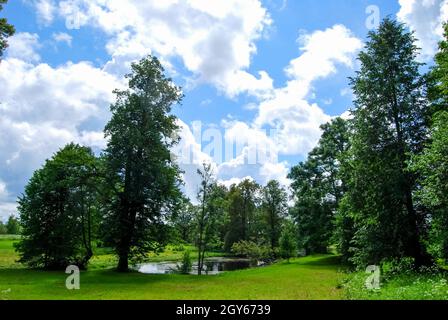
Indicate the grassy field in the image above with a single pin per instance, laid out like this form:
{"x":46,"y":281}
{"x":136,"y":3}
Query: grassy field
{"x":314,"y":277}
{"x":310,"y":278}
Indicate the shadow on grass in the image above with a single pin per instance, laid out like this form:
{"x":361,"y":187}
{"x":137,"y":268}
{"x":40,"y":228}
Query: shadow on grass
{"x":321,"y":260}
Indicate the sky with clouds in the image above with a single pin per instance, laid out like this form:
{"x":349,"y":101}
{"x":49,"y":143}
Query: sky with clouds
{"x":259,"y":76}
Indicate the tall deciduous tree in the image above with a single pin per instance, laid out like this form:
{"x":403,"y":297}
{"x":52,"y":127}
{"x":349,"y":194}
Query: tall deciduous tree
{"x":209,"y":213}
{"x":58,"y":211}
{"x":438,"y":89}
{"x":288,"y":241}
{"x":6,"y":30}
{"x":389,"y":125}
{"x":242,"y":201}
{"x":139,"y":167}
{"x":12,"y":226}
{"x":318,"y":187}
{"x":275,"y":209}
{"x":432,"y":164}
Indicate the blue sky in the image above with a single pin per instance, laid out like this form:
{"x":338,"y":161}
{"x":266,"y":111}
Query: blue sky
{"x":264,"y":73}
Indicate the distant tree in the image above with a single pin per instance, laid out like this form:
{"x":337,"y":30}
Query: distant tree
{"x":6,"y":30}
{"x":318,"y":187}
{"x":288,"y":241}
{"x":2,"y":228}
{"x":389,"y":125}
{"x":58,"y":211}
{"x":312,"y":214}
{"x":183,"y":220}
{"x":12,"y":226}
{"x":205,"y":218}
{"x":140,"y":172}
{"x":242,"y":207}
{"x":275,"y":208}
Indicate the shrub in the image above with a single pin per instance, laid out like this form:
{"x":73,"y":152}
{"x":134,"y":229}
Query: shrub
{"x":251,"y":250}
{"x":186,"y":264}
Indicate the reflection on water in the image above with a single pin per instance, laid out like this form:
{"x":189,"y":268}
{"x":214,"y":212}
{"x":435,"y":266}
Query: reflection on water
{"x":211,"y":266}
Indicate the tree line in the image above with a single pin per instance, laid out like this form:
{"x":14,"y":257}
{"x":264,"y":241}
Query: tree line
{"x":129,"y":197}
{"x":374,"y":187}
{"x":11,"y":226}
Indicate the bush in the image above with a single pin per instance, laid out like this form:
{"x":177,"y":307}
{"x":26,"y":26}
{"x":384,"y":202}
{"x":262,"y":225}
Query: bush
{"x":186,"y":264}
{"x":251,"y":250}
{"x":288,"y":242}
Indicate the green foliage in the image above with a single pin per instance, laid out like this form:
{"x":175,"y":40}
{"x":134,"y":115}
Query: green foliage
{"x":389,"y":125}
{"x":209,"y":213}
{"x":12,"y":226}
{"x":251,"y":250}
{"x":318,"y":188}
{"x":3,"y":229}
{"x":186,"y":263}
{"x":6,"y":30}
{"x":142,"y":178}
{"x":400,"y":280}
{"x":182,"y":220}
{"x":242,"y":207}
{"x":432,"y":164}
{"x":288,"y":241}
{"x":274,"y":204}
{"x":58,"y":209}
{"x":438,"y":77}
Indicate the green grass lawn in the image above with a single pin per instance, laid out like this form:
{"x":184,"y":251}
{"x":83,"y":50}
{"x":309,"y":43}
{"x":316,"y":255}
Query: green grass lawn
{"x":310,"y":278}
{"x":314,"y":277}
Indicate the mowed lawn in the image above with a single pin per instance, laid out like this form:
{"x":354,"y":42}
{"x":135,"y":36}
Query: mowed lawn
{"x":315,"y":277}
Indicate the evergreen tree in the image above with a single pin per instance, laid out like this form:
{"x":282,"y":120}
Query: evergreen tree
{"x":388,"y":125}
{"x":275,"y":209}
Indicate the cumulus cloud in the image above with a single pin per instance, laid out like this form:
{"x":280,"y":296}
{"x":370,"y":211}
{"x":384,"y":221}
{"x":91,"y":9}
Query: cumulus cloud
{"x":425,"y":17}
{"x":63,"y":37}
{"x":293,"y":120}
{"x":24,"y":46}
{"x":45,"y":10}
{"x":42,"y":108}
{"x":214,"y":39}
{"x":296,"y":119}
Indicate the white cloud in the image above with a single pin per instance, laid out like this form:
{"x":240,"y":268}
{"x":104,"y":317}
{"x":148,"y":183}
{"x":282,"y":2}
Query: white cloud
{"x":23,"y":46}
{"x":425,"y":17}
{"x":289,"y":111}
{"x":322,"y":51}
{"x":189,"y":156}
{"x":215,"y":40}
{"x":63,"y":37}
{"x":3,"y":191}
{"x":45,"y":10}
{"x":42,"y":108}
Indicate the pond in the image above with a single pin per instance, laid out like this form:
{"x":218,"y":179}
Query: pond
{"x":212,"y":266}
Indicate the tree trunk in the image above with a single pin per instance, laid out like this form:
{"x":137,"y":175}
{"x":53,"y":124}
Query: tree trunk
{"x":123,"y":264}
